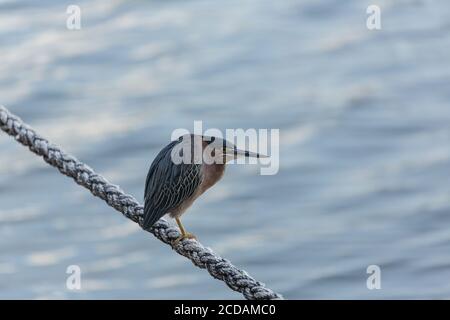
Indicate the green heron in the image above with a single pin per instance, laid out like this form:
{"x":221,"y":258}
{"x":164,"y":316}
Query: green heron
{"x":173,"y":185}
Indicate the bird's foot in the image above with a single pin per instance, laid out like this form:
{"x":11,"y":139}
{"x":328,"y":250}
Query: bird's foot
{"x":186,"y":235}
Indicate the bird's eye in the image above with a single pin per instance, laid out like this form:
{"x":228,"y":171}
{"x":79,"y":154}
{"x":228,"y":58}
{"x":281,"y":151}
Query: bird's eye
{"x":212,"y":139}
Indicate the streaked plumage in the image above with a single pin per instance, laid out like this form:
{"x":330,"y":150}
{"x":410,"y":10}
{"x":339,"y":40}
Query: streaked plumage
{"x":168,"y":185}
{"x":171,"y":188}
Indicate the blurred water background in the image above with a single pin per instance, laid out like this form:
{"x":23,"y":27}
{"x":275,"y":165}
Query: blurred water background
{"x":365,"y":155}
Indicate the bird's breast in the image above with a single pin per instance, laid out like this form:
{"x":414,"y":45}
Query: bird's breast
{"x":211,"y":174}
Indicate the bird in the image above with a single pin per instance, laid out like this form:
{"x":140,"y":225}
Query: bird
{"x":181,"y":172}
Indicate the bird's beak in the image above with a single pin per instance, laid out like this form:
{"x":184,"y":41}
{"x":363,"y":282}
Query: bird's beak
{"x":235,"y":152}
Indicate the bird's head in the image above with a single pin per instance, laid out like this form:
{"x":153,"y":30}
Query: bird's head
{"x":210,"y":150}
{"x":223,"y":151}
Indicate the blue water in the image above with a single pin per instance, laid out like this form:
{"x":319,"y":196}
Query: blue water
{"x":365,"y":156}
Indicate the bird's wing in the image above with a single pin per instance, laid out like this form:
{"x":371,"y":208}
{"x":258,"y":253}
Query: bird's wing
{"x":168,"y":185}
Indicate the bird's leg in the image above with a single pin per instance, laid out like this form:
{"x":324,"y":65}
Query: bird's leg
{"x":184,"y":234}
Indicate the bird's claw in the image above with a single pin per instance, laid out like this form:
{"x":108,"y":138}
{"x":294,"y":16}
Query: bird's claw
{"x":186,"y":235}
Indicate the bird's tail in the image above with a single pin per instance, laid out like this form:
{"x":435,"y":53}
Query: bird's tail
{"x":150,"y":217}
{"x":148,"y":223}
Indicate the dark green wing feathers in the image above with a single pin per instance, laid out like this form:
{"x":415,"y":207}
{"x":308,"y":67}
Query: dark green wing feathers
{"x":168,"y":185}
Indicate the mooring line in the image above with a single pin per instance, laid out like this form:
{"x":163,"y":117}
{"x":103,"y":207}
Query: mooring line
{"x":202,"y":257}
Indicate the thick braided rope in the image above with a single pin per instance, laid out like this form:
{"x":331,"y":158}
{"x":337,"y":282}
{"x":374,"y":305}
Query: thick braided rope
{"x":201,"y":256}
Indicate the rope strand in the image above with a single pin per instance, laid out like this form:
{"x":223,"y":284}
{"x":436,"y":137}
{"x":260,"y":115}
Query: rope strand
{"x":202,"y":257}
